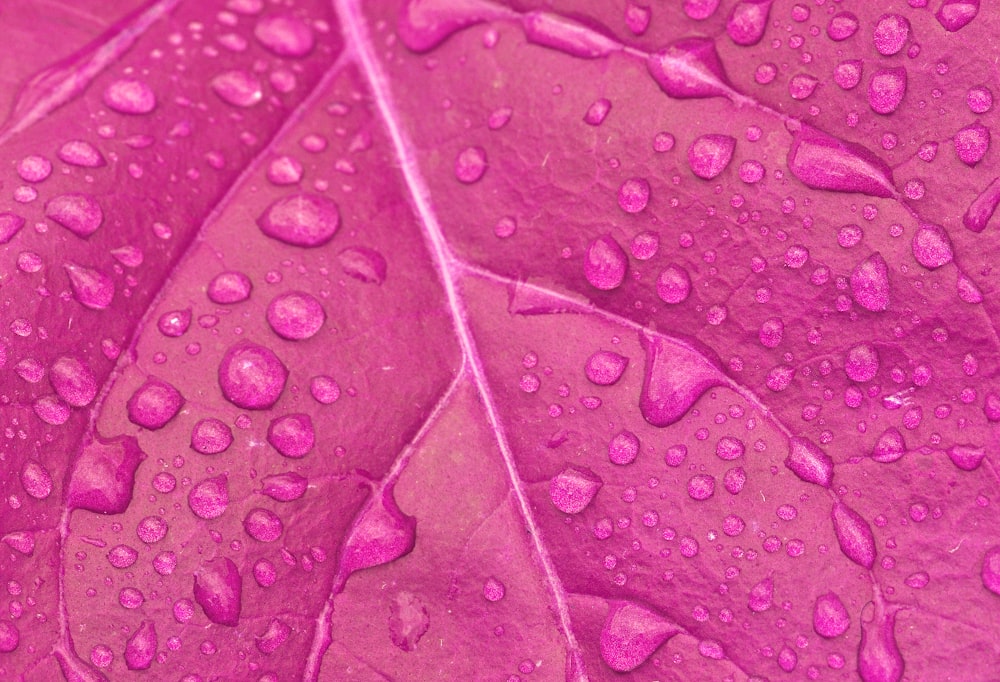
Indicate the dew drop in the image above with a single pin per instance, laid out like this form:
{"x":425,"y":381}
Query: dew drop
{"x":822,"y":161}
{"x":284,"y":35}
{"x":239,"y":88}
{"x":292,"y":435}
{"x":91,"y":288}
{"x":605,"y":263}
{"x":673,"y":285}
{"x":140,"y":649}
{"x":573,"y":489}
{"x":842,"y":26}
{"x":34,"y":168}
{"x":972,"y":143}
{"x":103,"y":475}
{"x":295,"y":315}
{"x":709,"y":155}
{"x":81,"y":153}
{"x":218,"y":590}
{"x":889,"y":447}
{"x":747,"y":21}
{"x":306,"y":220}
{"x":363,"y":264}
{"x":209,"y":498}
{"x":966,"y":457}
{"x":631,"y":634}
{"x":597,"y":112}
{"x":690,"y":68}
{"x":263,"y":525}
{"x":624,"y":448}
{"x":130,"y":96}
{"x":154,"y":404}
{"x":891,"y":34}
{"x":676,"y":376}
{"x":174,"y":323}
{"x":854,"y":535}
{"x":252,"y":376}
{"x":954,"y":15}
{"x":807,"y":461}
{"x":73,"y":381}
{"x":879,"y":659}
{"x":605,"y":368}
{"x":470,"y":165}
{"x":285,"y":487}
{"x":931,"y":246}
{"x":10,"y":225}
{"x":847,"y":73}
{"x":633,"y":195}
{"x":830,"y":617}
{"x":78,"y":213}
{"x":886,"y":89}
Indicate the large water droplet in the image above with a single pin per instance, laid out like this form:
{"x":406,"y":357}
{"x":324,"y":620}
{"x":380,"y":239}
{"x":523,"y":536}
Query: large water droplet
{"x":870,"y":283}
{"x":211,"y":436}
{"x":34,"y":168}
{"x":854,"y":535}
{"x":891,"y":33}
{"x":295,"y":315}
{"x":10,"y":637}
{"x":830,"y":617}
{"x":822,"y":161}
{"x":239,"y":88}
{"x":292,"y":435}
{"x":307,"y":220}
{"x":141,"y":647}
{"x":690,"y":68}
{"x":605,"y":263}
{"x":932,"y":247}
{"x":623,"y":448}
{"x":886,"y":89}
{"x":673,"y":285}
{"x":709,"y":155}
{"x":209,"y":498}
{"x":252,"y":376}
{"x":81,"y":153}
{"x":78,"y":213}
{"x":747,"y":21}
{"x":971,"y":143}
{"x":879,"y":659}
{"x":73,"y":381}
{"x":956,"y":14}
{"x":631,"y":634}
{"x":103,"y":475}
{"x":218,"y":589}
{"x":284,"y":35}
{"x":842,"y":26}
{"x":91,"y":288}
{"x":676,"y":376}
{"x":229,"y":287}
{"x":154,"y":404}
{"x":380,"y":533}
{"x":566,"y":35}
{"x":861,"y":363}
{"x":130,"y":96}
{"x":573,"y":489}
{"x":807,"y":461}
{"x":966,"y":457}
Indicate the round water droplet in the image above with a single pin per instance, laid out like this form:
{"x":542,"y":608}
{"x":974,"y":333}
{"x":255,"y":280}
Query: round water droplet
{"x":847,"y":74}
{"x":295,"y":315}
{"x":209,"y":498}
{"x":151,"y":529}
{"x":211,"y":436}
{"x":624,"y":448}
{"x":73,"y":381}
{"x":729,"y":448}
{"x":633,"y":195}
{"x":263,"y":525}
{"x":130,"y":96}
{"x":292,"y":435}
{"x":605,"y":368}
{"x":862,"y":362}
{"x":252,"y":376}
{"x":990,"y":572}
{"x":239,"y":88}
{"x":979,"y":100}
{"x":304,"y":219}
{"x":761,"y":596}
{"x":154,"y":404}
{"x":493,"y":589}
{"x":801,"y":86}
{"x":605,"y":263}
{"x":673,"y":285}
{"x":886,"y":89}
{"x":122,"y":556}
{"x":78,"y":213}
{"x":284,"y":35}
{"x":34,"y":168}
{"x":709,"y":155}
{"x":229,"y":287}
{"x":324,"y":389}
{"x":972,"y":143}
{"x":891,"y":33}
{"x":830,"y":617}
{"x":932,"y":247}
{"x":174,"y":323}
{"x":470,"y":164}
{"x":701,"y":486}
{"x":842,"y":26}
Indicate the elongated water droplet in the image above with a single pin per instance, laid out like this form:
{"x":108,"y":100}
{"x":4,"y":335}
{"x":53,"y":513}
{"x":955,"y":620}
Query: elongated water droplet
{"x":285,"y":487}
{"x":690,"y":68}
{"x":263,"y":525}
{"x":78,"y":213}
{"x":886,"y":89}
{"x":229,"y":287}
{"x":747,"y":21}
{"x":36,"y":480}
{"x":761,"y":595}
{"x":978,"y":215}
{"x":130,"y":96}
{"x":842,"y":26}
{"x":91,"y":288}
{"x":566,"y":35}
{"x":379,"y":534}
{"x":363,"y":264}
{"x":854,"y":535}
{"x":425,"y":24}
{"x":605,"y":263}
{"x":631,"y":634}
{"x":830,"y":617}
{"x":10,"y":225}
{"x":73,"y":381}
{"x":676,"y":376}
{"x":807,"y":461}
{"x":284,"y":35}
{"x":10,"y":637}
{"x":252,"y":376}
{"x":218,"y":589}
{"x":103,"y":475}
{"x":879,"y":659}
{"x":141,"y":647}
{"x":307,"y":220}
{"x":20,"y":541}
{"x":573,"y":489}
{"x":870,"y":283}
{"x":822,"y":161}
{"x":891,"y":34}
{"x":239,"y":88}
{"x":81,"y":153}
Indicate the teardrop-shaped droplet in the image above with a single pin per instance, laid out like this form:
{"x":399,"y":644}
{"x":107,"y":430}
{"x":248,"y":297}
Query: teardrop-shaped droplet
{"x":870,"y":283}
{"x":91,"y":288}
{"x":761,"y":595}
{"x":252,"y":376}
{"x":822,"y":161}
{"x":967,"y":289}
{"x":573,"y":489}
{"x":631,"y":634}
{"x":978,"y":215}
{"x":81,"y":153}
{"x":677,"y":374}
{"x":605,"y":263}
{"x":690,"y":68}
{"x":140,"y":649}
{"x":747,"y":21}
{"x":10,"y":225}
{"x":561,"y":33}
{"x":10,"y":637}
{"x":597,"y":112}
{"x":954,"y":15}
{"x":307,"y":220}
{"x":78,"y":213}
{"x":218,"y":589}
{"x":130,"y":96}
{"x":889,"y":447}
{"x":931,"y":246}
{"x":709,"y":155}
{"x":154,"y":404}
{"x":239,"y":88}
{"x":830,"y":617}
{"x":886,"y":89}
{"x":807,"y":461}
{"x":854,"y":535}
{"x":22,"y":542}
{"x":879,"y":659}
{"x":966,"y":457}
{"x":379,"y":534}
{"x":673,"y":285}
{"x":103,"y":475}
{"x":174,"y":323}
{"x":605,"y":368}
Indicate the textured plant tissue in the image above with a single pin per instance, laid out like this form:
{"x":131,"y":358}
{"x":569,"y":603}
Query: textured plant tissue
{"x":502,"y":341}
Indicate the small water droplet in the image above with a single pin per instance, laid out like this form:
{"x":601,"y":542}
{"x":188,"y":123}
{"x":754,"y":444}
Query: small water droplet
{"x":284,"y":35}
{"x":130,"y":96}
{"x":605,"y":263}
{"x":292,"y":435}
{"x":81,"y":153}
{"x":470,"y":165}
{"x":239,"y":88}
{"x":304,"y":219}
{"x":295,"y":315}
{"x":709,"y":155}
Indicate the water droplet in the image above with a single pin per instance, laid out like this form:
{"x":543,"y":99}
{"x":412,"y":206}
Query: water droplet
{"x":130,"y":96}
{"x":605,"y":368}
{"x":10,"y":637}
{"x":597,"y":112}
{"x":239,"y":88}
{"x":295,"y":315}
{"x":972,"y":143}
{"x":566,"y":35}
{"x":284,"y":170}
{"x":154,"y":404}
{"x":729,"y":448}
{"x":624,"y":448}
{"x":879,"y":659}
{"x":292,"y":435}
{"x":493,"y":589}
{"x":807,"y":461}
{"x":78,"y":213}
{"x":673,"y":285}
{"x":932,"y":247}
{"x":966,"y":457}
{"x":573,"y":489}
{"x":954,"y":15}
{"x":306,"y":220}
{"x":633,"y":195}
{"x":847,"y":73}
{"x":980,"y":211}
{"x":21,"y":541}
{"x":122,"y":556}
{"x":73,"y":381}
{"x":36,"y":480}
{"x":891,"y":34}
{"x":103,"y":475}
{"x":889,"y":447}
{"x":252,"y":376}
{"x":91,"y":288}
{"x":772,"y":330}
{"x":822,"y":161}
{"x":285,"y":487}
{"x":709,"y":155}
{"x":218,"y":589}
{"x":801,"y":86}
{"x":209,"y":498}
{"x":81,"y":153}
{"x":631,"y":634}
{"x":830,"y":617}
{"x":870,"y":283}
{"x":470,"y":165}
{"x":284,"y":35}
{"x":380,"y":533}
{"x":140,"y":649}
{"x":263,"y":525}
{"x":10,"y":225}
{"x":854,"y":535}
{"x":605,"y":263}
{"x":174,"y":323}
{"x":690,"y":68}
{"x":979,"y":99}
{"x":968,"y":291}
{"x":363,"y":264}
{"x":990,"y":573}
{"x":842,"y":26}
{"x":747,"y":21}
{"x":676,"y":376}
{"x":734,"y":480}
{"x":861,"y":363}
{"x":34,"y":168}
{"x":324,"y":389}
{"x":274,"y":636}
{"x":886,"y":89}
